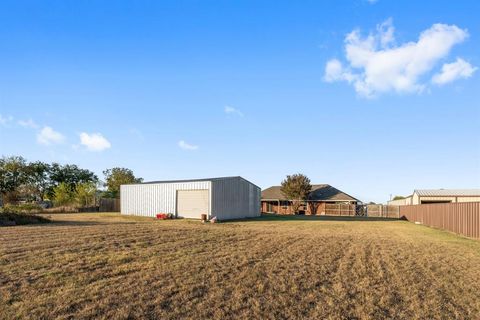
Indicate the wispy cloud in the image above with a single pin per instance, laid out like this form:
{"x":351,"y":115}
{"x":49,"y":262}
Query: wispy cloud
{"x":5,"y":120}
{"x":460,"y":69}
{"x":232,"y":111}
{"x":28,"y":123}
{"x":186,"y":146}
{"x":372,"y":1}
{"x":47,"y":136}
{"x":94,"y":141}
{"x":376,"y":64}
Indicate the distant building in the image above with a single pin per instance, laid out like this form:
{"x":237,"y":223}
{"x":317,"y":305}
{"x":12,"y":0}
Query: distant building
{"x":274,"y":201}
{"x":438,"y":196}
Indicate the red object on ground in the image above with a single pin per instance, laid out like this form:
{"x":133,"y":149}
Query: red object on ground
{"x":162,"y":216}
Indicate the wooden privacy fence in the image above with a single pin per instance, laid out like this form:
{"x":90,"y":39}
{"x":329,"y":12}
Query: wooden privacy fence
{"x":340,"y":209}
{"x":109,"y":205}
{"x":381,"y":211}
{"x":461,"y":218}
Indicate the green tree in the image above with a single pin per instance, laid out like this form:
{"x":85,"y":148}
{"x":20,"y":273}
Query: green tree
{"x":296,"y":188}
{"x":12,"y":176}
{"x":38,"y":179}
{"x":398,"y":197}
{"x":63,"y":195}
{"x":115,"y":177}
{"x":85,"y":194}
{"x":69,"y":174}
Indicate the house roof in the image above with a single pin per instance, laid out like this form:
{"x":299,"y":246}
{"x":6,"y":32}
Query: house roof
{"x":320,"y":192}
{"x":448,"y":192}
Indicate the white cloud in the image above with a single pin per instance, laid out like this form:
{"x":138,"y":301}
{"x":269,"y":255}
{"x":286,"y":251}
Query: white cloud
{"x":48,"y":136}
{"x":333,"y":71}
{"x":4,"y":120}
{"x":94,"y":141}
{"x":454,"y":71}
{"x":386,"y":32}
{"x":232,"y":110}
{"x":28,"y":123}
{"x":377,"y":65}
{"x":186,"y":146}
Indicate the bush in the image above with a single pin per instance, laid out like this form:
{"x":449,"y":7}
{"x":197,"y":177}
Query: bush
{"x":83,"y":195}
{"x":24,"y":208}
{"x":63,"y":195}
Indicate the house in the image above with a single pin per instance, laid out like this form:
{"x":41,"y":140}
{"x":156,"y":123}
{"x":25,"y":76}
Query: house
{"x":424,"y":196}
{"x":225,"y":198}
{"x":274,"y":201}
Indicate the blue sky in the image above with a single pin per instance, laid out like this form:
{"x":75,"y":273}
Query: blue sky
{"x":374,"y":98}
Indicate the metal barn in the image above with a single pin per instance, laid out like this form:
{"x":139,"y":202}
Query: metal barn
{"x":226,"y":198}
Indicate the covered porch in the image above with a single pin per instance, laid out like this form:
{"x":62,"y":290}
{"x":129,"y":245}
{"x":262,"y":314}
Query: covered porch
{"x":309,"y":207}
{"x":285,"y":207}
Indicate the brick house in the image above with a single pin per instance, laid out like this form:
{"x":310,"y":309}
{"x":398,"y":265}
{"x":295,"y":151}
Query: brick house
{"x":273,"y":200}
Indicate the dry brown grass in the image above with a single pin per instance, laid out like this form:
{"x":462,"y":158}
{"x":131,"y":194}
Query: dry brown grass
{"x":110,"y":267}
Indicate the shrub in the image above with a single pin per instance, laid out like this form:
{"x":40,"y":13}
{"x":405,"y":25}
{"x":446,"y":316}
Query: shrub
{"x":85,"y":194}
{"x":63,"y":195}
{"x":22,"y":208}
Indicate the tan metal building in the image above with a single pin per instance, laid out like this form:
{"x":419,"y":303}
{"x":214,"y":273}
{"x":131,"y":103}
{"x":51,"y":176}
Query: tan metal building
{"x":225,"y":198}
{"x":424,"y":196}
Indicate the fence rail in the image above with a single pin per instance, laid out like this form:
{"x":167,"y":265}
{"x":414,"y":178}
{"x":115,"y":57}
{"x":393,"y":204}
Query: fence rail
{"x":460,"y":218}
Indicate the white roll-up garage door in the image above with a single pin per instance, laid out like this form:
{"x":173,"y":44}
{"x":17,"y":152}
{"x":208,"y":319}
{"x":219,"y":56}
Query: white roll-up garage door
{"x":192,"y":203}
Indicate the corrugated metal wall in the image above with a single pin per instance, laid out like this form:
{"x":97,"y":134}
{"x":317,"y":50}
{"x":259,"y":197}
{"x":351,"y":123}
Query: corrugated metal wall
{"x":468,"y":199}
{"x":150,"y":199}
{"x":235,"y":198}
{"x":230,"y":198}
{"x":441,"y":198}
{"x":461,"y":218}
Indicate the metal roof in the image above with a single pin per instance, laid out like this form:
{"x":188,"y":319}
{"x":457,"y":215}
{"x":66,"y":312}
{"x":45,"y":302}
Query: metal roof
{"x":320,"y":192}
{"x":192,"y":180}
{"x":448,"y":192}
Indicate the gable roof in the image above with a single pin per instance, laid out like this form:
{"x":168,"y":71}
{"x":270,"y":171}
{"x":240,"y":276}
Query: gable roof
{"x":320,"y":192}
{"x":448,"y":192}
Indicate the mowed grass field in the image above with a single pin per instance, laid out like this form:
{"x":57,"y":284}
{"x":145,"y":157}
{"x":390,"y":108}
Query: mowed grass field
{"x":106,"y":266}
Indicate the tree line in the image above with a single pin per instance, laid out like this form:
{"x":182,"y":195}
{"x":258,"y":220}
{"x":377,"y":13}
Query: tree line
{"x":61,"y":184}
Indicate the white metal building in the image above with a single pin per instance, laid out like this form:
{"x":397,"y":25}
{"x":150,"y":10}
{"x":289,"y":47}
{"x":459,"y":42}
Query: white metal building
{"x":226,"y":198}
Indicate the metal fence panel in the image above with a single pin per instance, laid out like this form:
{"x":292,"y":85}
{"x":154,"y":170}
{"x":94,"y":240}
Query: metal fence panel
{"x":460,"y":218}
